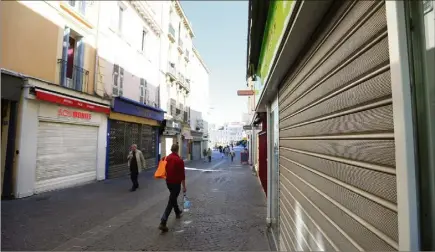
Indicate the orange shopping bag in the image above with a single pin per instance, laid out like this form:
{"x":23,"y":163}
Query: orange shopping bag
{"x":161,"y":169}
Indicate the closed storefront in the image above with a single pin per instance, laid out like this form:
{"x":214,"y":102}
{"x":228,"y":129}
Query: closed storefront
{"x":130,"y":123}
{"x":122,"y":136}
{"x":171,"y":134}
{"x":186,"y":139}
{"x":196,"y":150}
{"x":66,"y":154}
{"x":337,"y":149}
{"x":196,"y":145}
{"x":62,"y":142}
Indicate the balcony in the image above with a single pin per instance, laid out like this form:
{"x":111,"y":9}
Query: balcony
{"x":171,"y":33}
{"x":180,"y":46}
{"x":200,"y":123}
{"x":187,"y":55}
{"x":171,"y":71}
{"x":73,"y":77}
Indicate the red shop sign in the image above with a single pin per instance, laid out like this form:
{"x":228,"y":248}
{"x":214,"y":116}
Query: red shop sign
{"x":70,"y":102}
{"x":74,"y":114}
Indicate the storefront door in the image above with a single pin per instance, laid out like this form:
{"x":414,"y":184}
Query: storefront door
{"x":421,"y":43}
{"x":274,"y":166}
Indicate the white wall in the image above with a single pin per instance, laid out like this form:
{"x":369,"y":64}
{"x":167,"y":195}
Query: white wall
{"x":30,"y":113}
{"x":125,"y":50}
{"x":199,"y":97}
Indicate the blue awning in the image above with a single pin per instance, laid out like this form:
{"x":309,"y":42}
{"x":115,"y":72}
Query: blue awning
{"x":140,"y":104}
{"x":130,"y":107}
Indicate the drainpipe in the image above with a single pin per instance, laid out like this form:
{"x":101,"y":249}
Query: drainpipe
{"x":96,"y":51}
{"x":269,"y":170}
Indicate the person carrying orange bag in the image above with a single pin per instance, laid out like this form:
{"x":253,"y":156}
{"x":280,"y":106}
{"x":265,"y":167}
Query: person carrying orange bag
{"x":161,"y":169}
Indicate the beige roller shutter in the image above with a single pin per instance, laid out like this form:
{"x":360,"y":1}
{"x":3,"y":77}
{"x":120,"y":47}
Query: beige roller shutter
{"x":337,"y":163}
{"x":66,"y":155}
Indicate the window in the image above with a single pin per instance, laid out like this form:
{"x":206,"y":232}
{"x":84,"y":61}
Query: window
{"x":144,"y":38}
{"x":79,"y":6}
{"x":143,"y":91}
{"x":117,"y":17}
{"x":120,"y":17}
{"x":118,"y":80}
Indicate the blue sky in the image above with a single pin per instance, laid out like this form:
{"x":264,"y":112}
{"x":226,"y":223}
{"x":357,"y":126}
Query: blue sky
{"x":220,"y":28}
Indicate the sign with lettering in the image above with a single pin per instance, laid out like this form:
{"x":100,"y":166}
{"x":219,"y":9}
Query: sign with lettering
{"x":74,"y":114}
{"x":245,"y":92}
{"x":70,"y":102}
{"x":128,"y":108}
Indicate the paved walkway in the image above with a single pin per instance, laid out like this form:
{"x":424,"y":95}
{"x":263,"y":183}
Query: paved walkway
{"x":228,"y":213}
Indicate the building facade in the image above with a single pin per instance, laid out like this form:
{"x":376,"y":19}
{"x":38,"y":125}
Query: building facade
{"x":101,"y":80}
{"x":176,"y":55}
{"x":57,"y":128}
{"x":229,"y":133}
{"x":128,"y":57}
{"x":199,"y":105}
{"x":345,"y":100}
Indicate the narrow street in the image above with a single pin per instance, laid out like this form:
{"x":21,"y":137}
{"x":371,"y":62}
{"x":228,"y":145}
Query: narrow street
{"x":227,"y":213}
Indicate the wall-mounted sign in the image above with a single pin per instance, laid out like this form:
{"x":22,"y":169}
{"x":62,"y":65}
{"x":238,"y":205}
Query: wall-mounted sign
{"x":70,"y":102}
{"x":74,"y":114}
{"x":128,"y":108}
{"x":245,"y":92}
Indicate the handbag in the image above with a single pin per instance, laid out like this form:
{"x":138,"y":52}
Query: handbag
{"x":161,"y":169}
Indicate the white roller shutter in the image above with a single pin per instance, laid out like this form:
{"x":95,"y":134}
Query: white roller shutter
{"x":66,"y":155}
{"x":337,"y":152}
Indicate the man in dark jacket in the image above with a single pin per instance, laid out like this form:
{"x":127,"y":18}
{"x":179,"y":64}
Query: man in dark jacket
{"x":175,"y":178}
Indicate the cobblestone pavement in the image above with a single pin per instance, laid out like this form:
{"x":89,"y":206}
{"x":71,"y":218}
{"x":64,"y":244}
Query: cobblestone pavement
{"x":228,"y":213}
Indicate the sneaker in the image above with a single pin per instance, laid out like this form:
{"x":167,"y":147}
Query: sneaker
{"x":132,"y":189}
{"x":163,"y":228}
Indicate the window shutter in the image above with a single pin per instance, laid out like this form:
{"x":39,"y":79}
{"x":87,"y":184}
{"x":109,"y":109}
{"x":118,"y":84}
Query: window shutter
{"x":82,"y":6}
{"x":79,"y":71}
{"x":66,"y":33}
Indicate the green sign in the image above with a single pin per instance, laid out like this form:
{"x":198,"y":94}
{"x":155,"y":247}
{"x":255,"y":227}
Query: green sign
{"x":277,"y":19}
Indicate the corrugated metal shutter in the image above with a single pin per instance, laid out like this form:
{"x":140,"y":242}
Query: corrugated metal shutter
{"x":196,"y":151}
{"x":337,"y":154}
{"x":122,"y":136}
{"x":66,"y":155}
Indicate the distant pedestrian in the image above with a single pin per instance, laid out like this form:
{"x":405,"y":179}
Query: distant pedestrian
{"x":209,"y":155}
{"x":175,"y":178}
{"x":204,"y":154}
{"x":136,"y":162}
{"x":232,"y":154}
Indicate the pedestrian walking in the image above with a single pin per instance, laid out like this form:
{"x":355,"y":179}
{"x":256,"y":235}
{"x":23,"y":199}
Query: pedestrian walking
{"x":204,"y":154}
{"x":233,"y":154}
{"x":175,"y":178}
{"x":136,"y":162}
{"x":209,"y":155}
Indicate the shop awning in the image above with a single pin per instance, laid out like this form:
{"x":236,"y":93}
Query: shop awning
{"x":69,"y":101}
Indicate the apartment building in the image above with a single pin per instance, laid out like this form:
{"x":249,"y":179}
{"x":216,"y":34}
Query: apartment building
{"x":229,"y":133}
{"x":345,"y":103}
{"x":53,"y":124}
{"x":199,"y":105}
{"x":127,"y":73}
{"x":177,"y":71}
{"x":101,"y":79}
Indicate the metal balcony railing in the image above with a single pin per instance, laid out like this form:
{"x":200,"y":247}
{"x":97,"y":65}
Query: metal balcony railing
{"x":186,"y":116}
{"x":172,"y":70}
{"x":171,"y":30}
{"x":75,"y":78}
